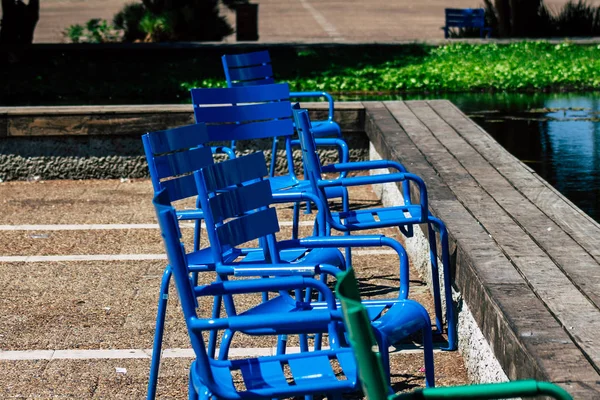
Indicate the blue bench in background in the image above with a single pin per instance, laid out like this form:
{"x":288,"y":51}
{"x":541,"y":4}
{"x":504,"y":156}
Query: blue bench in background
{"x":466,"y":18}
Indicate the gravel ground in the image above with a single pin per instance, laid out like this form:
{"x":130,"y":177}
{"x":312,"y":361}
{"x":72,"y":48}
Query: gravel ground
{"x":93,"y":305}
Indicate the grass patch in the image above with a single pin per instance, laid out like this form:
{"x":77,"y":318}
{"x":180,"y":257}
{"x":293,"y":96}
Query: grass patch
{"x":164,"y":76}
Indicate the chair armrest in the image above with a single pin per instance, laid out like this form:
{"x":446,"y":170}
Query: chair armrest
{"x":223,"y":150}
{"x":317,"y":94}
{"x":300,"y":322}
{"x":259,"y":270}
{"x":363,"y":165}
{"x":343,"y":168}
{"x":378,"y":179}
{"x":263,"y":285}
{"x":342,"y":146}
{"x":295,"y":197}
{"x":358,"y":241}
{"x":185,"y":215}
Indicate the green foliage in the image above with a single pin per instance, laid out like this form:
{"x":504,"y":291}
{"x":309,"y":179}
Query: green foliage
{"x":174,"y":20}
{"x":95,"y":31}
{"x":128,"y":20}
{"x":162,"y":76}
{"x":578,"y":19}
{"x":156,"y":28}
{"x":454,"y":68}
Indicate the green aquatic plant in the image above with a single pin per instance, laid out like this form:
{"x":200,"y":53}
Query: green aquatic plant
{"x":457,"y":67}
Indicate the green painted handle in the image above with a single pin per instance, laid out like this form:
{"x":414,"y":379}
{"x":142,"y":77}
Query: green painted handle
{"x":488,"y":391}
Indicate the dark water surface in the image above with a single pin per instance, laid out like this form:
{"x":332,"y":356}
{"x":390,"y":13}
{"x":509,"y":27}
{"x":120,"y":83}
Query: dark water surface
{"x":556,"y":134}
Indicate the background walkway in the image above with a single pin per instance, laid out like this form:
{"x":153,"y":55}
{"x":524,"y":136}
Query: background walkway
{"x":294,"y":20}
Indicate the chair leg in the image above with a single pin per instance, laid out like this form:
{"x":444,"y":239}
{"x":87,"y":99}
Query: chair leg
{"x":428,"y":357}
{"x":273,"y":157}
{"x":197,"y":233}
{"x":435,"y":278}
{"x":281,"y":344}
{"x":295,"y":220}
{"x":192,"y":395}
{"x":225,"y":344}
{"x":212,"y":338}
{"x":346,"y":208}
{"x":384,"y":351}
{"x":450,"y":312}
{"x":158,"y":333}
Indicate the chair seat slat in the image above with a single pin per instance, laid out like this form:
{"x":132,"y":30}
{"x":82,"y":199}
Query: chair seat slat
{"x":311,"y":370}
{"x":258,"y":374}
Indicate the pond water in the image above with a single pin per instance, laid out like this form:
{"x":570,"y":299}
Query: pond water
{"x":556,"y":134}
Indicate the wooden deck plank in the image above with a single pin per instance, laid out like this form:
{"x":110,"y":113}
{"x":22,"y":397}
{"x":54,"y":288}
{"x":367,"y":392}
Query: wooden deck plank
{"x":484,"y":208}
{"x":575,"y":222}
{"x":496,"y":211}
{"x":566,"y":251}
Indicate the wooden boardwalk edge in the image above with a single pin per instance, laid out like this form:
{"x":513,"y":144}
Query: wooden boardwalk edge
{"x":533,"y":290}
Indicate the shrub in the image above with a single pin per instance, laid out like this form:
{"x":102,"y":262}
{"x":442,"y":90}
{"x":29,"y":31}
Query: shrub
{"x":533,"y":19}
{"x":578,"y":19}
{"x":95,"y":31}
{"x":128,"y":20}
{"x":174,"y":20}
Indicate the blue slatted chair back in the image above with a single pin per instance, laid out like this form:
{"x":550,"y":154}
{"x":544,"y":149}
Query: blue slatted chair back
{"x":246,"y":113}
{"x":263,"y":377}
{"x":465,"y":17}
{"x":173,"y":155}
{"x":248,"y":69}
{"x":238,"y":196}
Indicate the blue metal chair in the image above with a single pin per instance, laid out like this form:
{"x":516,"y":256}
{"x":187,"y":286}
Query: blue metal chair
{"x":236,"y":189}
{"x":263,"y":377}
{"x":402,"y":216}
{"x":172,"y":156}
{"x":251,"y":69}
{"x":260,"y":112}
{"x":235,"y":198}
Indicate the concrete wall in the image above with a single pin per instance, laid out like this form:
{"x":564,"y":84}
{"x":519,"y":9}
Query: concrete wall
{"x":104,"y":142}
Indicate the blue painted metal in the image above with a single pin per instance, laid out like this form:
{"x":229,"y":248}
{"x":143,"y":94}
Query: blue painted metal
{"x":389,"y":328}
{"x":231,"y":114}
{"x":254,"y":69}
{"x":466,"y":18}
{"x":401,"y":216}
{"x":172,"y":156}
{"x":263,"y":376}
{"x":251,"y":69}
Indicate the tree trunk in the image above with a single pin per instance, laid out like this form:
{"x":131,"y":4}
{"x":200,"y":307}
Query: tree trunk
{"x":504,"y":18}
{"x":18,"y":21}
